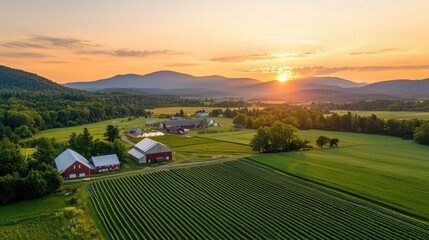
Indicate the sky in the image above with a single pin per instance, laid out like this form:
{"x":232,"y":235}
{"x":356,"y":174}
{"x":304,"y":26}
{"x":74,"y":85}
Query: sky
{"x":81,"y":40}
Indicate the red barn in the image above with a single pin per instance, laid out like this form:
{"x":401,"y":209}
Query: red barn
{"x":105,"y":163}
{"x":71,"y":165}
{"x":150,"y":151}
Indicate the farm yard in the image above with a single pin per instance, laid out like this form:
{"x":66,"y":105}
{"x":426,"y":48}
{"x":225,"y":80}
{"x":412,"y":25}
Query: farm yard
{"x":188,"y":148}
{"x":239,"y":200}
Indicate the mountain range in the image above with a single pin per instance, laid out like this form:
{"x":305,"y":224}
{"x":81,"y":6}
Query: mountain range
{"x":312,"y":88}
{"x":180,"y":84}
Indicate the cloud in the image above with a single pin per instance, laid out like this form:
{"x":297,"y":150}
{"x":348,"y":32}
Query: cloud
{"x":128,"y":53}
{"x":182,"y":65}
{"x":24,"y":55}
{"x":22,"y":45}
{"x":82,"y":47}
{"x":380,"y":51}
{"x":321,"y":70}
{"x":54,"y":62}
{"x":63,"y":42}
{"x":264,"y":56}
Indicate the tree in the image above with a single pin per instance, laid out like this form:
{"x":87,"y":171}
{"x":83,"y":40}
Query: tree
{"x":120,"y":149}
{"x":333,"y":142}
{"x":322,"y":141}
{"x":111,"y":133}
{"x":240,"y":119}
{"x":181,"y":113}
{"x":421,"y":134}
{"x":261,"y":141}
{"x":11,"y":159}
{"x":82,"y":143}
{"x":46,"y":152}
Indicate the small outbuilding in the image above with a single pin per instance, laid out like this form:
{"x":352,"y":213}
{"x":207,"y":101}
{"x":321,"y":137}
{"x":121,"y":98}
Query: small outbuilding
{"x":106,"y":163}
{"x":71,"y":164}
{"x":150,"y":151}
{"x":150,"y":122}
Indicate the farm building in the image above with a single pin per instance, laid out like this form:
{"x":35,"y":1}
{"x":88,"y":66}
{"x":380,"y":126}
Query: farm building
{"x":135,"y":130}
{"x":185,"y":123}
{"x":150,"y":122}
{"x":105,"y":163}
{"x":150,"y":151}
{"x":201,"y":113}
{"x":71,"y":164}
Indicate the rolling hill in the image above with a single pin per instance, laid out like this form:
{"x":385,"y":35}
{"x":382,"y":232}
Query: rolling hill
{"x":18,"y":80}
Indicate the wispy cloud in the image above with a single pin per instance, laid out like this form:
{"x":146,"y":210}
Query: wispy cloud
{"x":128,"y":53}
{"x":379,"y":51}
{"x":63,"y":41}
{"x":182,"y":65}
{"x":24,"y":55}
{"x":263,"y":56}
{"x":82,"y":46}
{"x":22,"y":45}
{"x":321,"y":70}
{"x":54,"y":62}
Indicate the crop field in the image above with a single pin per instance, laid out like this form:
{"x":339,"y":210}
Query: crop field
{"x":389,"y":114}
{"x":239,"y":200}
{"x":386,"y":169}
{"x":188,"y":148}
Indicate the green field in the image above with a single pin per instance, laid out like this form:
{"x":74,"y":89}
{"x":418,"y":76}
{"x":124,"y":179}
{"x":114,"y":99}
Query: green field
{"x":51,"y":217}
{"x":388,"y":114}
{"x":385,"y":169}
{"x":238,"y":200}
{"x":187,"y":148}
{"x":188,"y":110}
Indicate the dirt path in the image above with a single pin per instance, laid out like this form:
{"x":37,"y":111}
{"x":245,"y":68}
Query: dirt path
{"x":125,"y":139}
{"x":151,"y":168}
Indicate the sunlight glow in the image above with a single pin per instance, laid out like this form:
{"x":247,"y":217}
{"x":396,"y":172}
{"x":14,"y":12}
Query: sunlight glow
{"x":282,"y":77}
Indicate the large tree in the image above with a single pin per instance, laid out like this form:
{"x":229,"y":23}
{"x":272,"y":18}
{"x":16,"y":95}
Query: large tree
{"x":421,"y":134}
{"x":46,"y":152}
{"x":322,"y":141}
{"x":111,"y":133}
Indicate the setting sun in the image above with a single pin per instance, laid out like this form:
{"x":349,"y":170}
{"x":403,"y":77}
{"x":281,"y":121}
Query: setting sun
{"x":282,"y":77}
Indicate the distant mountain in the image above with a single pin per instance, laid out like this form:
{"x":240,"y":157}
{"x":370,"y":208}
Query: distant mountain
{"x":327,"y":81}
{"x":18,"y":80}
{"x":164,"y":80}
{"x":402,"y":88}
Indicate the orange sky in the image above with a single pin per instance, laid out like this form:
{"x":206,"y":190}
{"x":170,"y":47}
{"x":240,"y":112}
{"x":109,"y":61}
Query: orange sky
{"x":83,"y":40}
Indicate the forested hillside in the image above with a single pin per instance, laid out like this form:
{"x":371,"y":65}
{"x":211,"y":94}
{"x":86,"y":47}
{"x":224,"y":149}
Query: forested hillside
{"x":14,"y":79}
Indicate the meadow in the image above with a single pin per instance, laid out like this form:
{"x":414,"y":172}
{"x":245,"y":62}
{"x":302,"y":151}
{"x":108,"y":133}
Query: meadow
{"x":238,"y":200}
{"x":52,"y":217}
{"x":388,"y":114}
{"x":388,"y":170}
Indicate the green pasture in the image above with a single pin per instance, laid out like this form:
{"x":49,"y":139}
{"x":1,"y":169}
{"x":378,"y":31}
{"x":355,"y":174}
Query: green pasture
{"x":389,"y":170}
{"x":51,"y":217}
{"x":386,"y":169}
{"x":96,"y":129}
{"x":388,"y":114}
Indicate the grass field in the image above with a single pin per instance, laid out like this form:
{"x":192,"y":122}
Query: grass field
{"x":389,"y":114}
{"x":239,"y":200}
{"x":386,"y":169}
{"x":188,"y":110}
{"x":51,"y":217}
{"x":188,"y":148}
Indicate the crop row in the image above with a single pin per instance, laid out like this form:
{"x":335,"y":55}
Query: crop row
{"x":238,"y":200}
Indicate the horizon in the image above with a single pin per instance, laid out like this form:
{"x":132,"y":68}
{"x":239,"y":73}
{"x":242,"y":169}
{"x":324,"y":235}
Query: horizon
{"x":83,"y":41}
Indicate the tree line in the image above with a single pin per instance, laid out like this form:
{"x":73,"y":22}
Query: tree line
{"x":309,"y":117}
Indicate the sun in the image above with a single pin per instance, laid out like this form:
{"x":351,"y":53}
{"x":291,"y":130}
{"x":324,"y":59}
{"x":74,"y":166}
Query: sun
{"x":282,"y":77}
